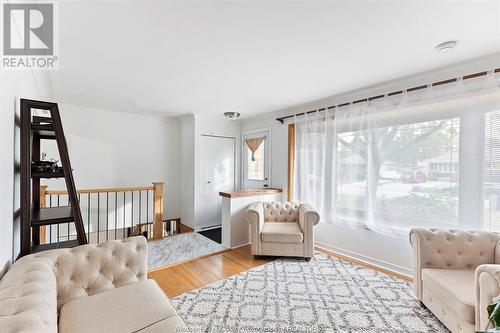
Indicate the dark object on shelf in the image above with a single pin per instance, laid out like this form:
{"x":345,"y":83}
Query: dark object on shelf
{"x":213,"y":234}
{"x":33,"y":130}
{"x":46,"y":169}
{"x":45,"y":166}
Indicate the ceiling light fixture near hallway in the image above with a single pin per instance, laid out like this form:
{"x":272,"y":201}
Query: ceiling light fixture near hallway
{"x":231,"y":115}
{"x":446,"y":47}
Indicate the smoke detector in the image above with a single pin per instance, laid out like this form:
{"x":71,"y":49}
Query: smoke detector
{"x":231,"y":115}
{"x":446,"y":47}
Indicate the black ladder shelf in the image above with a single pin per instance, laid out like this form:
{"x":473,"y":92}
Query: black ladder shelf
{"x":34,"y":129}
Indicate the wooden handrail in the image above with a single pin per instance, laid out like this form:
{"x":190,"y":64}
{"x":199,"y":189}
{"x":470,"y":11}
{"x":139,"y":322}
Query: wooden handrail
{"x":103,"y":190}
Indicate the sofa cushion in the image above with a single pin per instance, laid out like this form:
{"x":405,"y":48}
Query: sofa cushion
{"x":454,"y":287}
{"x":28,"y":299}
{"x":126,"y":309}
{"x":279,"y":232}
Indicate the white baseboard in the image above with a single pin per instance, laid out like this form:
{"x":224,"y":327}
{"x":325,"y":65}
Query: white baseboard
{"x":235,"y":247}
{"x":369,"y":260}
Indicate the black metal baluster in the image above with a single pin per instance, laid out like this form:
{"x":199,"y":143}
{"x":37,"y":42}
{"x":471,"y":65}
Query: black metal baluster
{"x":107,"y":214}
{"x":98,"y":215}
{"x":147,"y":212}
{"x":79,"y":204}
{"x":88,"y":217}
{"x":153,"y":208}
{"x":50,"y":226}
{"x":124,"y":200}
{"x":68,"y":227}
{"x":116,"y":211}
{"x":132,"y":215}
{"x":140,"y":209}
{"x":58,"y":224}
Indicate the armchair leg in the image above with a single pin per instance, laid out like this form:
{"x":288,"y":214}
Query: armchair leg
{"x":307,"y":258}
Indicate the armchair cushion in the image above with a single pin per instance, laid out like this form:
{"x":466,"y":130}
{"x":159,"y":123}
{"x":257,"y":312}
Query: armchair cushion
{"x":278,"y":232}
{"x":454,"y":287}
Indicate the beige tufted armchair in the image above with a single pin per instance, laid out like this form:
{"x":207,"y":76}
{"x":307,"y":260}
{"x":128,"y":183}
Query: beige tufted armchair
{"x":282,"y":229}
{"x":456,"y":275}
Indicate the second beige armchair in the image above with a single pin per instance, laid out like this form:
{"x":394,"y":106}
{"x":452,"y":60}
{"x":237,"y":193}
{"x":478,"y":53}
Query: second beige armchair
{"x":282,"y":229}
{"x":456,"y":275}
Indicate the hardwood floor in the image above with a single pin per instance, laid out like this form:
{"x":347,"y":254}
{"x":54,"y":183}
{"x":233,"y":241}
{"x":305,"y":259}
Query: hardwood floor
{"x":178,"y":279}
{"x":183,"y":277}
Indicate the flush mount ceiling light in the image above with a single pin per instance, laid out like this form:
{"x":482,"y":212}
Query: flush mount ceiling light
{"x":231,"y":115}
{"x":446,"y":46}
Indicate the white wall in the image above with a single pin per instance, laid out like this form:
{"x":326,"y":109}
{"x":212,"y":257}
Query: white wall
{"x":13,"y":86}
{"x":120,"y":149}
{"x":392,"y":253}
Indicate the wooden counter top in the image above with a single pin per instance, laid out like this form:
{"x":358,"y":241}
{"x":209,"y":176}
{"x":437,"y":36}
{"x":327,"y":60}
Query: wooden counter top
{"x":250,"y":192}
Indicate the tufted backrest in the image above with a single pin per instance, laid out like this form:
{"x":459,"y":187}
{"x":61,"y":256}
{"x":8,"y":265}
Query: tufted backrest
{"x":281,"y":212}
{"x":454,"y":249}
{"x":28,"y":299}
{"x":91,"y":269}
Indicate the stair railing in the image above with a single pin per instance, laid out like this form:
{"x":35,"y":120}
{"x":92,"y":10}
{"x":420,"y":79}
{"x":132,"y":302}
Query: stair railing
{"x":108,"y":213}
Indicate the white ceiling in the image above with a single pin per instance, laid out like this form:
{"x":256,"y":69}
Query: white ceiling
{"x":255,"y":56}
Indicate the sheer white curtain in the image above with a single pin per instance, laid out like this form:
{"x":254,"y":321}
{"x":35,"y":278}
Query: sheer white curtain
{"x":421,"y":158}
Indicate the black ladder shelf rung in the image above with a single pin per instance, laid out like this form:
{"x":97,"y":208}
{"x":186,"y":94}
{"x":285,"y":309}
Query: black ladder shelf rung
{"x":53,"y":246}
{"x":47,"y":174}
{"x":41,"y":120}
{"x":51,"y":215}
{"x":43,"y":131}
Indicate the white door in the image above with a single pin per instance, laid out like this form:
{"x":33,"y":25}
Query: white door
{"x":216,"y":175}
{"x":256,"y":165}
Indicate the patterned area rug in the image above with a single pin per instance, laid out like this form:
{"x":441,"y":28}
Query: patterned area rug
{"x":178,"y":248}
{"x":292,"y":295}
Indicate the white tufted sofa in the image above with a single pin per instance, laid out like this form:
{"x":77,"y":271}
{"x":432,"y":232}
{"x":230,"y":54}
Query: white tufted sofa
{"x":282,"y":228}
{"x":456,"y":275}
{"x":89,"y":288}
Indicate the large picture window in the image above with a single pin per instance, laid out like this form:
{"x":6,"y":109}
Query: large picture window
{"x":428,"y":160}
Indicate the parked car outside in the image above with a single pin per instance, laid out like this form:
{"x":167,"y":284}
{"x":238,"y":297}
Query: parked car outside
{"x":413,"y":177}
